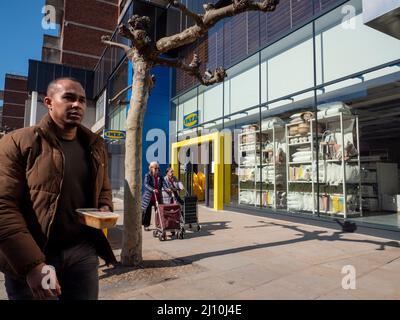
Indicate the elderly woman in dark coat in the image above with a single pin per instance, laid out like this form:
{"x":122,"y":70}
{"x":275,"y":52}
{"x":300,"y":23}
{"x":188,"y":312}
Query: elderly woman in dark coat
{"x":153,"y":184}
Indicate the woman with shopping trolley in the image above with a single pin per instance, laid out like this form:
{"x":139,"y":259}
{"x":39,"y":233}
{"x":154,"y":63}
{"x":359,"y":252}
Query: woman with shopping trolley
{"x":171,"y":188}
{"x":153,"y":185}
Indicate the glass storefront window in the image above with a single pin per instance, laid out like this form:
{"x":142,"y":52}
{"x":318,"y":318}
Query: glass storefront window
{"x":117,"y":109}
{"x":101,"y":106}
{"x":242,"y":86}
{"x":287,"y":66}
{"x":188,"y":104}
{"x":179,"y":117}
{"x":345,"y":45}
{"x":286,"y":155}
{"x":210,"y":102}
{"x":273,"y":163}
{"x":174,"y":117}
{"x":333,"y":147}
{"x":246,"y":161}
{"x":371,"y":135}
{"x":118,"y":118}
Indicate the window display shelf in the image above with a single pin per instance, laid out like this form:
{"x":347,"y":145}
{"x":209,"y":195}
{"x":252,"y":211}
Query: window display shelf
{"x":301,"y":162}
{"x":299,"y":143}
{"x":265,"y":162}
{"x":249,"y":143}
{"x":304,"y":135}
{"x":250,"y":132}
{"x":300,"y":136}
{"x":380,"y":181}
{"x":338,"y":161}
{"x":341,"y":134}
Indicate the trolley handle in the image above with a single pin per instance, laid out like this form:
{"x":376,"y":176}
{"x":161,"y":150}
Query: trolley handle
{"x":155,"y":196}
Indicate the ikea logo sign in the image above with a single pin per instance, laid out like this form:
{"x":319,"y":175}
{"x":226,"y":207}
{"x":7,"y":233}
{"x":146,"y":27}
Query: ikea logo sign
{"x":191,"y":120}
{"x":114,"y":135}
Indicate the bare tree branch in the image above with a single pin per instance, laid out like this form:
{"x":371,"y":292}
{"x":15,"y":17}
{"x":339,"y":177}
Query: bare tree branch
{"x":193,"y":69}
{"x":185,"y":10}
{"x":209,"y":19}
{"x":107,"y":41}
{"x":119,"y":94}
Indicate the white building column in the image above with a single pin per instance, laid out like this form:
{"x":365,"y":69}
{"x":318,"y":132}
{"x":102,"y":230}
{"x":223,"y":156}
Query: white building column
{"x":34,"y":103}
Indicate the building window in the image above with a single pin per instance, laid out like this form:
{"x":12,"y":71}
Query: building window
{"x":345,"y":45}
{"x":101,"y":106}
{"x":287,"y":66}
{"x":210,"y":103}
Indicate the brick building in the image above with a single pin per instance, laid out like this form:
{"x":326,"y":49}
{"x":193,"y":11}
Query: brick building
{"x":15,"y":96}
{"x":82,"y":23}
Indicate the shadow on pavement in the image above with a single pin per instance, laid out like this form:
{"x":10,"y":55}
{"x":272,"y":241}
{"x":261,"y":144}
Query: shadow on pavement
{"x":319,"y":235}
{"x":262,"y":225}
{"x":305,"y":236}
{"x":207,"y":229}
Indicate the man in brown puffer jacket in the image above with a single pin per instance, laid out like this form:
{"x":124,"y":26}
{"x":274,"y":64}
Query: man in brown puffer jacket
{"x":46,"y":173}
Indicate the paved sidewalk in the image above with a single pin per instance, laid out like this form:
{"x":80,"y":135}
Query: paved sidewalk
{"x":238,"y":256}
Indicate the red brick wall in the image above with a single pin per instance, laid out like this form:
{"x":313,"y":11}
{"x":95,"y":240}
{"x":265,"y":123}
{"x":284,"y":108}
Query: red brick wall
{"x":15,"y":123}
{"x":16,"y":84}
{"x":91,"y":12}
{"x":83,"y":40}
{"x":78,"y":34}
{"x":79,"y":61}
{"x":11,"y":110}
{"x":15,"y":95}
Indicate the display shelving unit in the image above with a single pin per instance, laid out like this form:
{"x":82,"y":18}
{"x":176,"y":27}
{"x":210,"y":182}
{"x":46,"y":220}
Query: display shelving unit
{"x":322,"y":163}
{"x":269,"y":156}
{"x":249,"y":148}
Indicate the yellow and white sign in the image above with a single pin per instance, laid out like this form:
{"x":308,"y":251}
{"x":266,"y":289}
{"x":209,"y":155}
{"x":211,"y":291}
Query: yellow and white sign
{"x":191,"y":120}
{"x":114,"y":135}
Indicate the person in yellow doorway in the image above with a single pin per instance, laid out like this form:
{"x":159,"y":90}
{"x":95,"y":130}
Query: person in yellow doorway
{"x":199,"y":185}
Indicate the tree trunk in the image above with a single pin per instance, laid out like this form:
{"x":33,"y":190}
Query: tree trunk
{"x":132,"y":237}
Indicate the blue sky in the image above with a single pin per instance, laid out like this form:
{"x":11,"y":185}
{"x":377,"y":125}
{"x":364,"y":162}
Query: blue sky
{"x":21,"y":35}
